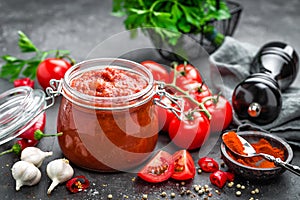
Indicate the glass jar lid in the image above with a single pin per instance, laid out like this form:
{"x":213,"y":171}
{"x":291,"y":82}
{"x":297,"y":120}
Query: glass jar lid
{"x":19,"y":108}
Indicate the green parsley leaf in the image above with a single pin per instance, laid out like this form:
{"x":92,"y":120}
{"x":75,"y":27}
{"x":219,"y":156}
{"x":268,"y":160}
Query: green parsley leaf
{"x":25,"y":43}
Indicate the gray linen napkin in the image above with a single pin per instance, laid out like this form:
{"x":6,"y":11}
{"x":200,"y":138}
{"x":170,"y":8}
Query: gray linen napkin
{"x":233,"y":60}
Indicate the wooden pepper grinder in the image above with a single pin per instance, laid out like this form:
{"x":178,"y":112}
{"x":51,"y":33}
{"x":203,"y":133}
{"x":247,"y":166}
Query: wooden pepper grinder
{"x":273,"y":69}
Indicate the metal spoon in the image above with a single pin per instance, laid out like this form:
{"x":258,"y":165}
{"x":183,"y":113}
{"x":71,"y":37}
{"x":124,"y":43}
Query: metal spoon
{"x":250,"y":152}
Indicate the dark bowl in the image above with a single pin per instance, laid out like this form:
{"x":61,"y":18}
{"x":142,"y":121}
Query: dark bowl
{"x":252,"y":173}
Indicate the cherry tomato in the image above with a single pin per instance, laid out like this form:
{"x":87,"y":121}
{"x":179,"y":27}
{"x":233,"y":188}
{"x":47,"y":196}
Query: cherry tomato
{"x":199,"y":91}
{"x":51,"y":68}
{"x":158,"y":71}
{"x":160,"y":168}
{"x":165,"y":115}
{"x":221,"y":112}
{"x":184,"y":167}
{"x":186,"y":72}
{"x":218,"y":178}
{"x":208,"y":164}
{"x":191,"y":132}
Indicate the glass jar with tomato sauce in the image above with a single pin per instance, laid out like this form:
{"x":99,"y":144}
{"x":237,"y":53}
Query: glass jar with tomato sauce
{"x":107,"y":114}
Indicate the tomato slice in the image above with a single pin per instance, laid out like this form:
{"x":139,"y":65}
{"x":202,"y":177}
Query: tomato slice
{"x":160,"y":168}
{"x":184,"y":167}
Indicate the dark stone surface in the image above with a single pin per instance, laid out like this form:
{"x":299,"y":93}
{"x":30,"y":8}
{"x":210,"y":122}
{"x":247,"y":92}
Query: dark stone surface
{"x":82,"y":25}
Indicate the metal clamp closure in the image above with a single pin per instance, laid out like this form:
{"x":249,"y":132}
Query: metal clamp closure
{"x":53,"y":91}
{"x":178,"y":101}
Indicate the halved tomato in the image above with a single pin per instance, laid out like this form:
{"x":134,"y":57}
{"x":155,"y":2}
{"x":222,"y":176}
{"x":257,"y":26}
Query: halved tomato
{"x":160,"y":168}
{"x":184,"y":167}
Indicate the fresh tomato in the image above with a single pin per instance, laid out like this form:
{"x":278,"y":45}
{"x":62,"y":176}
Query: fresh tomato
{"x":165,"y":115}
{"x":199,"y":91}
{"x":208,"y":164}
{"x":158,"y":71}
{"x":51,"y":68}
{"x":191,"y":132}
{"x":160,"y":168}
{"x":184,"y":167}
{"x":221,"y":112}
{"x":186,"y":72}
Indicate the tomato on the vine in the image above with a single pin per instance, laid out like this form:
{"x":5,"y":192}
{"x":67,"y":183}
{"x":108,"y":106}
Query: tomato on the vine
{"x":184,"y":167}
{"x":160,"y":168}
{"x":158,"y":71}
{"x":186,"y":72}
{"x":191,"y":132}
{"x":51,"y":68}
{"x":165,"y":115}
{"x":221,"y":112}
{"x":199,"y":91}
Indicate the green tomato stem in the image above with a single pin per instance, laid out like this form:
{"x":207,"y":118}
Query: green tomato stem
{"x":186,"y":93}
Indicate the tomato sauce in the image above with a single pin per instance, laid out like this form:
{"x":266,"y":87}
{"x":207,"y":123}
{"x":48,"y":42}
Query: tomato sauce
{"x":109,"y":82}
{"x":107,"y":139}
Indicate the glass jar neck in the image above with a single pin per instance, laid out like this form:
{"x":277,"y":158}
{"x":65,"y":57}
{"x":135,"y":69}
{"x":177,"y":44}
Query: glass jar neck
{"x":108,"y":103}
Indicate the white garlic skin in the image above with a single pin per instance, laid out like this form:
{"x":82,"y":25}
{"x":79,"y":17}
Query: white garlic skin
{"x":25,"y":173}
{"x":34,"y":155}
{"x":59,"y":171}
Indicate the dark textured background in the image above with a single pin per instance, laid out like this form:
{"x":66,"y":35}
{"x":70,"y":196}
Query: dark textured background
{"x":81,"y":25}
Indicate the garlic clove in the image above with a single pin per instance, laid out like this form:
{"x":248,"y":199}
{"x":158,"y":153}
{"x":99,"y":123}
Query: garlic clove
{"x":34,"y":155}
{"x":59,"y":171}
{"x":25,"y":173}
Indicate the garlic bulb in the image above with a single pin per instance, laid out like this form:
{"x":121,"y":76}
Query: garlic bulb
{"x":34,"y":155}
{"x":25,"y":173}
{"x":59,"y":171}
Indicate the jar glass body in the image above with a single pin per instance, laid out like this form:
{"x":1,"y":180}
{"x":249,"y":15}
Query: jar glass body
{"x":107,"y":134}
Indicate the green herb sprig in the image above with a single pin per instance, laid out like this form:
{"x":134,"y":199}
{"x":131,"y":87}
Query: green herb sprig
{"x":170,"y":18}
{"x":15,"y":67}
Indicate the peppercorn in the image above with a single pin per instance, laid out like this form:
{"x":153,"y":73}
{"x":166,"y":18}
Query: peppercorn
{"x":145,"y":196}
{"x":163,"y":194}
{"x":173,"y":195}
{"x":238,"y":193}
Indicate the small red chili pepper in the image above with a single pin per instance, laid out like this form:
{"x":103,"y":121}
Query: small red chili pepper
{"x":77,"y":184}
{"x":37,"y":135}
{"x":230,"y":176}
{"x":24,"y":82}
{"x":20,"y":145}
{"x":218,"y":178}
{"x":208,"y":164}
